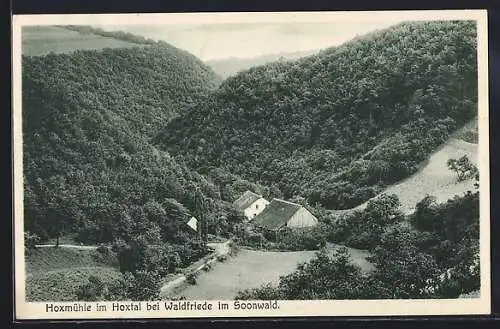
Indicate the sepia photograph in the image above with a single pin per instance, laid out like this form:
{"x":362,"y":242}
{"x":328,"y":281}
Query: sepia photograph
{"x":251,"y":164}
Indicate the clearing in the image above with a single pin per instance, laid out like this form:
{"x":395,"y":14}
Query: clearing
{"x":41,"y":40}
{"x":251,"y":269}
{"x":434,"y":178}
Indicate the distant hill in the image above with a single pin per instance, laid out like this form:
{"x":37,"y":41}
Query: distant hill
{"x":230,"y":66}
{"x":339,"y":126}
{"x":41,"y":40}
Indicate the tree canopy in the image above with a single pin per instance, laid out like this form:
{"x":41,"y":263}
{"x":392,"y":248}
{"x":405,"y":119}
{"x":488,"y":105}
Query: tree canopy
{"x":89,"y":165}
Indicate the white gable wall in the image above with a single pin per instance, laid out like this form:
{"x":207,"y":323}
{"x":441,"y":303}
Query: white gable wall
{"x":302,"y":218}
{"x":255,"y":208}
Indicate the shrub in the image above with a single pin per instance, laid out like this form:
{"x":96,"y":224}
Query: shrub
{"x":221,"y":258}
{"x":116,"y":290}
{"x":363,"y":228}
{"x":266,"y":292}
{"x":163,"y":259}
{"x":191,"y":278}
{"x":190,"y":252}
{"x":142,"y":285}
{"x":233,"y":248}
{"x":102,"y":249}
{"x":30,"y":240}
{"x":105,"y":255}
{"x":463,"y":167}
{"x":91,"y":291}
{"x":308,"y":238}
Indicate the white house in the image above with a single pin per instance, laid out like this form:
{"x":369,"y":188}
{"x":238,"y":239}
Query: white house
{"x":251,"y":204}
{"x":281,"y":213}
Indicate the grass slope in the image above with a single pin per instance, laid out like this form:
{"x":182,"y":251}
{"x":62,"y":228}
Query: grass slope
{"x":54,"y":274}
{"x":434,"y":178}
{"x":41,"y":40}
{"x":61,"y":285}
{"x":49,"y":259}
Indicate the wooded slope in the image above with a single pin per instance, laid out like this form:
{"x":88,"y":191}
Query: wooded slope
{"x":339,"y":126}
{"x":89,"y":166}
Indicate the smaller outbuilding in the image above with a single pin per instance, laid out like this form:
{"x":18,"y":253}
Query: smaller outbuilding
{"x":193,"y":223}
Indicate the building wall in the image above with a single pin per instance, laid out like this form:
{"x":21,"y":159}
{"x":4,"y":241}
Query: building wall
{"x":255,"y":208}
{"x":302,"y":218}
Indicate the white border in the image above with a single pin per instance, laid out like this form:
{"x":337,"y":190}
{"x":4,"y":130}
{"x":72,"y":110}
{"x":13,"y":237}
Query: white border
{"x":287,"y":308}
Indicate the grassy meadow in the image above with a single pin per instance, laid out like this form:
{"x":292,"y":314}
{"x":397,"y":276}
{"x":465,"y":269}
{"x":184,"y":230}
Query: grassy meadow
{"x":41,"y":40}
{"x":253,"y":268}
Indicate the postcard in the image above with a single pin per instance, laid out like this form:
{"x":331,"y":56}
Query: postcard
{"x":221,"y":165}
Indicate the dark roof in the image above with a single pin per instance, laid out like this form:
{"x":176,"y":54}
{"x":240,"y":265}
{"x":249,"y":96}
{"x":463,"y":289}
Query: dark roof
{"x":246,"y":200}
{"x":277,"y":213}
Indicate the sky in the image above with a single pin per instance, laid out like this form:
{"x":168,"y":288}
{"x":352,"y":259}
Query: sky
{"x":247,"y":40}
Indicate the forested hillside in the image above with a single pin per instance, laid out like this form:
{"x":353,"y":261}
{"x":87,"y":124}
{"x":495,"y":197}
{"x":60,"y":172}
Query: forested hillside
{"x":143,"y":86}
{"x":89,"y":166}
{"x":338,"y":126}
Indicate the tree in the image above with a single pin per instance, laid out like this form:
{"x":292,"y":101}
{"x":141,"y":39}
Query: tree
{"x":201,"y":205}
{"x":278,"y":124}
{"x":464,"y":275}
{"x":402,"y":268}
{"x":425,"y":214}
{"x":173,"y":223}
{"x":30,"y":241}
{"x":463,"y":167}
{"x":363,"y":228}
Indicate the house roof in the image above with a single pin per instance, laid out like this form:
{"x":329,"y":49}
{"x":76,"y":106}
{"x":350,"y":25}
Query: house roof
{"x":277,"y":213}
{"x":246,"y":200}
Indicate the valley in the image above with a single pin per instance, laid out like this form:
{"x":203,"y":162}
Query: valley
{"x":128,"y":141}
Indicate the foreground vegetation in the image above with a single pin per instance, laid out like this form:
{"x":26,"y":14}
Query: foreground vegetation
{"x":435,"y":255}
{"x":56,"y":274}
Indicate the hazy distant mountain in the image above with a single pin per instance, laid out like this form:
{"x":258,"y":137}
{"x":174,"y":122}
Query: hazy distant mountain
{"x":232,"y":65}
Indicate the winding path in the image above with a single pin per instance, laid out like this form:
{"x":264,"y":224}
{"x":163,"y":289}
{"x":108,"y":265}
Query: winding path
{"x":73,"y":246}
